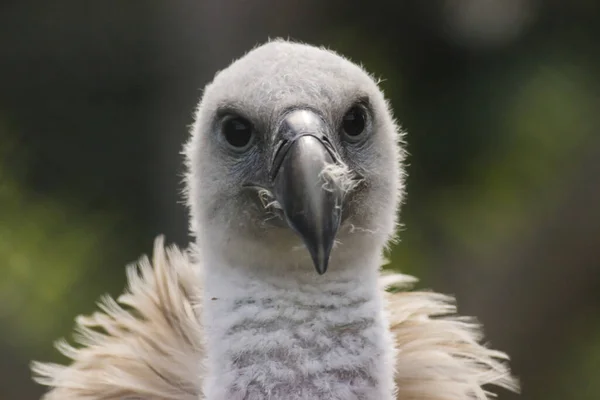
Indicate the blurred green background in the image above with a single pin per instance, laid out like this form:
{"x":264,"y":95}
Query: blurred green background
{"x":500,"y":99}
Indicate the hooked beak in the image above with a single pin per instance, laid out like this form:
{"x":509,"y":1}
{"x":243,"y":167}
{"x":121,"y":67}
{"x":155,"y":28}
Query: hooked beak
{"x":311,"y":203}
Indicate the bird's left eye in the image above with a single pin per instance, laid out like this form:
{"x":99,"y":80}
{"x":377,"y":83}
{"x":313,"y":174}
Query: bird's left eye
{"x":354,"y":123}
{"x":238,"y":132}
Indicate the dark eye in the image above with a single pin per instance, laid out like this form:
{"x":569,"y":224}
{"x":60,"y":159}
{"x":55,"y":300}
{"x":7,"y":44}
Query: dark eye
{"x":238,"y":132}
{"x":354,"y":123}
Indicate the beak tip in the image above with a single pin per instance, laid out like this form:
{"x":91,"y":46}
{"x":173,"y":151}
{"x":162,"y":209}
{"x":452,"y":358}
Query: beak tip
{"x":321,"y":268}
{"x":320,"y":260}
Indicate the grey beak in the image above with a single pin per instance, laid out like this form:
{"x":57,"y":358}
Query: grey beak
{"x":311,"y":205}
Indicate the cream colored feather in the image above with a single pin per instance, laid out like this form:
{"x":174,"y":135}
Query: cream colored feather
{"x":149,"y":344}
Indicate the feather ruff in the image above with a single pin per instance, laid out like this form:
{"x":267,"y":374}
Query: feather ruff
{"x":148,"y":344}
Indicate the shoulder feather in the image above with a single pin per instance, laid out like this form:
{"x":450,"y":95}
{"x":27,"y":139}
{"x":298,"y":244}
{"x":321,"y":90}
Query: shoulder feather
{"x":440,"y":356}
{"x":146,"y":345}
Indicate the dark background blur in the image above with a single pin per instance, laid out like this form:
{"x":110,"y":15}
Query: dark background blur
{"x":500,"y":99}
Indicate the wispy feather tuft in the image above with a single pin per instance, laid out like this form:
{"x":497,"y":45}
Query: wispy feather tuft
{"x":147,"y":345}
{"x":440,"y":356}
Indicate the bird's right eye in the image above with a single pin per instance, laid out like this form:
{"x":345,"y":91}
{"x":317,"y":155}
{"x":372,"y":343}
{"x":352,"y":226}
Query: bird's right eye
{"x":238,"y":132}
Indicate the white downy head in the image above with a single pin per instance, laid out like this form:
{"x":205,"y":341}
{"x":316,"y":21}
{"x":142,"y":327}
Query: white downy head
{"x":293,"y":146}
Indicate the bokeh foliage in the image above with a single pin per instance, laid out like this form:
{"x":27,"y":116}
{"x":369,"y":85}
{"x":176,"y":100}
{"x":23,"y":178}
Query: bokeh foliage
{"x":52,"y":253}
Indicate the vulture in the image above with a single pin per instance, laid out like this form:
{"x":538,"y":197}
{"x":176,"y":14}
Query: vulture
{"x":294,"y":177}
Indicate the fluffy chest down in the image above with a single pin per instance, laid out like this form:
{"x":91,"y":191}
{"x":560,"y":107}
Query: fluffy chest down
{"x":307,"y":343}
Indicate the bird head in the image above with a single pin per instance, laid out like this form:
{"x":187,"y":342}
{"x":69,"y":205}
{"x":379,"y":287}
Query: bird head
{"x":293,"y":147}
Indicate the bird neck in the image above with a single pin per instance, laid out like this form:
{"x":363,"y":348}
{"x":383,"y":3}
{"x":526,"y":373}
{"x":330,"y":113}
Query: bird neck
{"x":296,"y":335}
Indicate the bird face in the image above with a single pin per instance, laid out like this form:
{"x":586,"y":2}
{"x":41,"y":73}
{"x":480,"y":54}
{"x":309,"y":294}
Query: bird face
{"x":293,"y":145}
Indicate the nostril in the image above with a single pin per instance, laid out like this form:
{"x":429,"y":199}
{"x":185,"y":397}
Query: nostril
{"x":278,"y":157}
{"x":280,"y":145}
